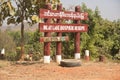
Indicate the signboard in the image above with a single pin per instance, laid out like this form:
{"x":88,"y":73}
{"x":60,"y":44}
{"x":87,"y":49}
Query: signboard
{"x":51,"y":39}
{"x":46,"y":27}
{"x":45,"y":13}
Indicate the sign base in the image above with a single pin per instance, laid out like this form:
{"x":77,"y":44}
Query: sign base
{"x":58,"y":58}
{"x":77,"y":55}
{"x":46,"y":59}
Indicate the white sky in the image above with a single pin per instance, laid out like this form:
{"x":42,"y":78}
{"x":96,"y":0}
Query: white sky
{"x":109,"y":9}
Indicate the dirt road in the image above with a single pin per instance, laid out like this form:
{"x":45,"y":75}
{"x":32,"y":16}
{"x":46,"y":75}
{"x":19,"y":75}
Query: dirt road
{"x":40,"y":71}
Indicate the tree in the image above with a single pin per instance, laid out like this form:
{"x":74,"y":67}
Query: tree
{"x":20,"y":11}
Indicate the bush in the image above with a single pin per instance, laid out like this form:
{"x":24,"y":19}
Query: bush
{"x":11,"y":56}
{"x":8,"y":44}
{"x":117,"y":56}
{"x":36,"y":56}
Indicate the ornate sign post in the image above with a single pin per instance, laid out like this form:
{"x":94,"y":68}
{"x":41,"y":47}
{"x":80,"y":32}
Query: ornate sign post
{"x":47,"y":27}
{"x":47,"y":44}
{"x":59,"y":44}
{"x":77,"y":37}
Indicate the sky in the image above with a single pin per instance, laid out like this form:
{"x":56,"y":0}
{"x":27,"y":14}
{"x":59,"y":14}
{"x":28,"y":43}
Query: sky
{"x":109,"y":9}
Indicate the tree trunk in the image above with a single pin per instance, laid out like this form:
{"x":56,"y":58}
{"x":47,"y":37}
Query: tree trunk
{"x":22,"y":41}
{"x":22,"y":34}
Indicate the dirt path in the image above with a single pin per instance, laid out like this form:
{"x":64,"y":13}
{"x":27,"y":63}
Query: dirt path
{"x":88,"y":71}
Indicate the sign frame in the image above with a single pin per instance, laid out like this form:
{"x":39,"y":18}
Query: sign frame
{"x":59,"y":14}
{"x":54,"y":39}
{"x":48,"y":27}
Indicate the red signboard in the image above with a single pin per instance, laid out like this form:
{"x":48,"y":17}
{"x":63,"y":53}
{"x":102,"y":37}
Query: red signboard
{"x":46,"y":27}
{"x":56,"y":39}
{"x":45,"y":13}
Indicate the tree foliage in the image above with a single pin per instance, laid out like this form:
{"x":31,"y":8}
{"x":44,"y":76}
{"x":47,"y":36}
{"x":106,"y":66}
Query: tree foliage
{"x":102,"y":34}
{"x":19,"y":11}
{"x":102,"y":38}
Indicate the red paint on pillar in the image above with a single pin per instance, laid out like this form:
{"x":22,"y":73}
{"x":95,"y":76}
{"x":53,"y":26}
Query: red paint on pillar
{"x":77,"y":42}
{"x":77,"y":34}
{"x":47,"y":45}
{"x":87,"y":58}
{"x":47,"y":34}
{"x":59,"y":44}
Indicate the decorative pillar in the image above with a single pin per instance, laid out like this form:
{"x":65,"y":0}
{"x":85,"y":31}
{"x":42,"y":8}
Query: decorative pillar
{"x":59,"y":44}
{"x":77,"y":37}
{"x":47,"y":44}
{"x":87,"y":55}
